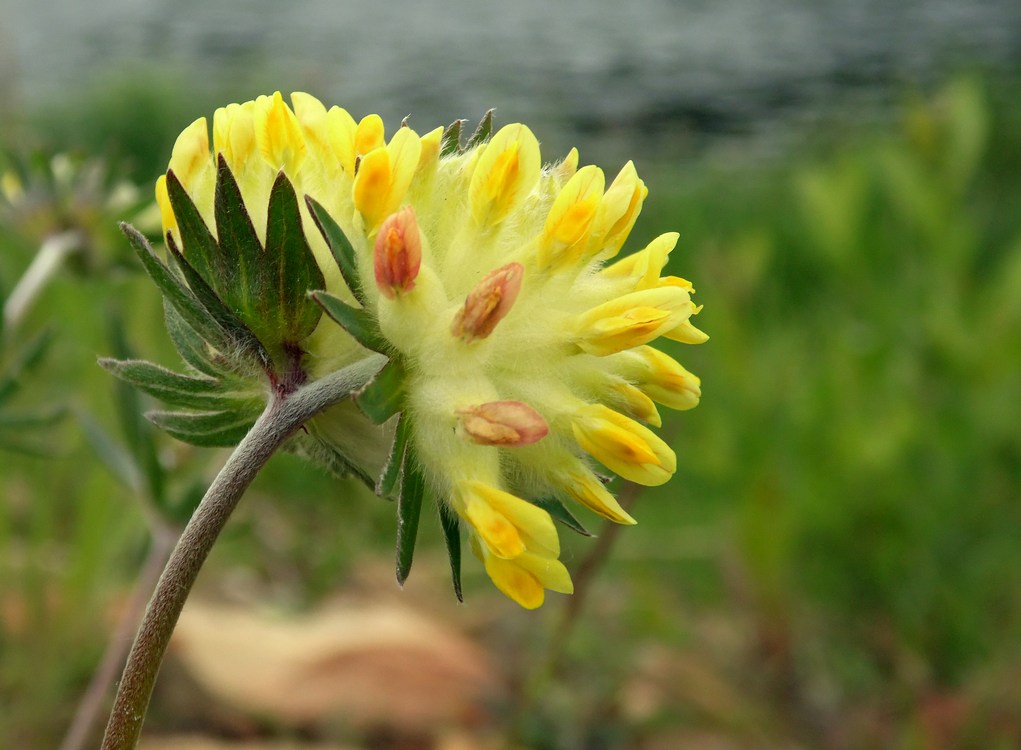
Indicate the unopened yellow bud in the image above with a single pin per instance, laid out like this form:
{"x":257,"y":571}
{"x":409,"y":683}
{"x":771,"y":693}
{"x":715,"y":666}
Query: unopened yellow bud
{"x":488,"y":303}
{"x":503,"y":423}
{"x":686,"y":333}
{"x":397,"y":253}
{"x":638,"y":403}
{"x":506,"y":172}
{"x":623,"y":445}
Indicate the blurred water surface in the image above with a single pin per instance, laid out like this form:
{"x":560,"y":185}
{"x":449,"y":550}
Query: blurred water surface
{"x":605,"y":67}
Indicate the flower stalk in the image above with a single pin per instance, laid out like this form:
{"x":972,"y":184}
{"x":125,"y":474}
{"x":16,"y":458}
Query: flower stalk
{"x":282,"y":417}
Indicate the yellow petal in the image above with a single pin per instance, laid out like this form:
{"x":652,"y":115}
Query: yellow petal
{"x":341,"y":129}
{"x":166,"y":210}
{"x":663,"y":378}
{"x":623,"y":446}
{"x":619,"y":210}
{"x":312,"y":117}
{"x":234,"y":135}
{"x":369,"y":135}
{"x":638,"y":403}
{"x":533,"y":523}
{"x":632,"y":319}
{"x":515,"y":582}
{"x":644,"y":267}
{"x":506,"y":171}
{"x":431,"y":143}
{"x":278,"y":134}
{"x":499,"y":534}
{"x":566,"y":232}
{"x":191,"y":157}
{"x":586,"y":489}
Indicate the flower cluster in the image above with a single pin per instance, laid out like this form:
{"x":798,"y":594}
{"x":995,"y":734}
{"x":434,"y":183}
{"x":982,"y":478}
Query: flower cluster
{"x":483,"y":274}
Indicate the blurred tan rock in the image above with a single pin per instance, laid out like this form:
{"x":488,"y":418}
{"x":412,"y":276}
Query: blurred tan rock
{"x":193,"y":742}
{"x":378,"y":665}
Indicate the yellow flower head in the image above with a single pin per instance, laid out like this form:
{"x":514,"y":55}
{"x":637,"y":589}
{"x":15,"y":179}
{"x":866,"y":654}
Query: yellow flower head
{"x":520,"y":361}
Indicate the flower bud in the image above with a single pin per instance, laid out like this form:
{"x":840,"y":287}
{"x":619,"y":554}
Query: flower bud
{"x":398,"y":253}
{"x":503,"y":423}
{"x":488,"y":303}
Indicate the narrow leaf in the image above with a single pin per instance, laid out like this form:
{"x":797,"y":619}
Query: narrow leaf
{"x":482,"y":132}
{"x":175,"y":389}
{"x":26,"y":358}
{"x":409,"y":512}
{"x":207,"y":429}
{"x":340,"y":246}
{"x":120,"y":463}
{"x":450,"y":141}
{"x":289,"y":270}
{"x":452,"y":538}
{"x":392,"y":471}
{"x":357,"y":322}
{"x":560,"y":513}
{"x":176,"y":293}
{"x":193,"y":350}
{"x":383,"y":397}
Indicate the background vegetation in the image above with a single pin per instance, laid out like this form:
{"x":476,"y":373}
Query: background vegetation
{"x":836,"y":564}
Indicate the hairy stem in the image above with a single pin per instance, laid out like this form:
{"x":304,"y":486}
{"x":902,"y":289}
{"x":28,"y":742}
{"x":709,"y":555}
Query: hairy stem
{"x":283,"y":415}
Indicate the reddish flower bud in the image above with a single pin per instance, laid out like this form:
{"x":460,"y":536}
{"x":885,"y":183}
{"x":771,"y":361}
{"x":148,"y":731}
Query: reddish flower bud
{"x":398,"y":253}
{"x":504,"y":423}
{"x":488,"y":303}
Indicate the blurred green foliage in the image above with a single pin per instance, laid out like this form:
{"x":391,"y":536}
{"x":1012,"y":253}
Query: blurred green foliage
{"x":848,"y":499}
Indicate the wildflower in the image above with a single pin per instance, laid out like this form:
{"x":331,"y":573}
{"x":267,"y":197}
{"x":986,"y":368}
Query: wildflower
{"x":514,"y":357}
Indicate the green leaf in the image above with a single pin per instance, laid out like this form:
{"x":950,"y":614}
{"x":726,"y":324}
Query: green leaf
{"x":340,"y":246}
{"x":218,"y":429}
{"x":177,"y":294}
{"x":560,"y":513}
{"x":452,"y":538}
{"x":32,"y":420}
{"x":409,"y":512}
{"x":395,"y":462}
{"x":383,"y":396}
{"x":450,"y":141}
{"x":175,"y":389}
{"x":138,"y":434}
{"x":241,"y":252}
{"x":358,"y":323}
{"x":482,"y":132}
{"x":289,"y":268}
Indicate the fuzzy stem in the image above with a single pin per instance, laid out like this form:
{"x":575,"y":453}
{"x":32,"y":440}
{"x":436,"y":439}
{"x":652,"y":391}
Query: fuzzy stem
{"x":51,"y":256}
{"x":283,"y":415}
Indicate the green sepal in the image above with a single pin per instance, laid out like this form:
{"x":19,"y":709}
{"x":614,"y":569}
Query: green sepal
{"x":238,"y":330}
{"x":482,"y":132}
{"x":409,"y":512}
{"x":175,"y":389}
{"x":383,"y":396}
{"x":391,"y":473}
{"x":450,"y":141}
{"x":288,"y":269}
{"x":202,"y":251}
{"x":216,"y":429}
{"x":560,"y":513}
{"x":452,"y":538}
{"x":192,"y":348}
{"x":340,"y":246}
{"x":358,"y":323}
{"x":178,"y":294}
{"x":240,"y":255}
